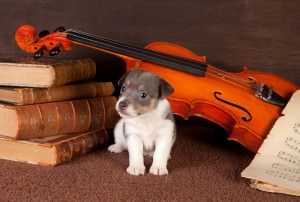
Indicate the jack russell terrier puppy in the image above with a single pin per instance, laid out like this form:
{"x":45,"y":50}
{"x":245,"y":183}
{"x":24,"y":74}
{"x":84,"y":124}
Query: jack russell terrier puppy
{"x":147,"y":124}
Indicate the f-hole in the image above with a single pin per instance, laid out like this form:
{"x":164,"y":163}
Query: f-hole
{"x":247,"y":117}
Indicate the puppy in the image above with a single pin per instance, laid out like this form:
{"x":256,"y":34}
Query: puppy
{"x":147,"y":124}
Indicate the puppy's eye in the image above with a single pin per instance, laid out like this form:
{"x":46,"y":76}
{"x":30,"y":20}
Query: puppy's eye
{"x":143,"y":94}
{"x":123,"y":89}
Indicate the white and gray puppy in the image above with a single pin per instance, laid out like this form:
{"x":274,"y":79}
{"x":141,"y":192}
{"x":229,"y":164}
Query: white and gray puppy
{"x":147,"y":124}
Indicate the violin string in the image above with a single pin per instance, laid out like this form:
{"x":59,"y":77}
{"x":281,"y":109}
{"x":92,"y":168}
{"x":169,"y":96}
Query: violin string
{"x":212,"y":74}
{"x":234,"y":80}
{"x":145,"y":52}
{"x":229,"y":75}
{"x":233,"y":77}
{"x":158,"y":54}
{"x":251,"y":89}
{"x":184,"y":66}
{"x":136,"y":48}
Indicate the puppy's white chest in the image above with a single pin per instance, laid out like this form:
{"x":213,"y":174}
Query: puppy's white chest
{"x":142,"y":128}
{"x":146,"y":130}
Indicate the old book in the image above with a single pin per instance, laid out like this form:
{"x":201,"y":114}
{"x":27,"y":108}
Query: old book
{"x":45,"y":72}
{"x":53,"y":150}
{"x":276,"y":166}
{"x":54,"y":118}
{"x":26,"y":95}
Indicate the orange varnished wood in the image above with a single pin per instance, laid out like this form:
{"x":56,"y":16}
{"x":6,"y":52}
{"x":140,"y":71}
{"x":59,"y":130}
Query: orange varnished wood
{"x":27,"y":39}
{"x":195,"y":95}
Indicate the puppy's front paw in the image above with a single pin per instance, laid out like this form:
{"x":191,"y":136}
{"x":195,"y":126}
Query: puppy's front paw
{"x":155,"y":170}
{"x":116,"y":148}
{"x":136,"y":170}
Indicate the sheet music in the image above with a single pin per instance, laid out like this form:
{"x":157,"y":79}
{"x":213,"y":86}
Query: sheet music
{"x":278,"y":159}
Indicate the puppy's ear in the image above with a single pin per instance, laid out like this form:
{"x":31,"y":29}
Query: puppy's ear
{"x":122,"y":79}
{"x":165,"y":89}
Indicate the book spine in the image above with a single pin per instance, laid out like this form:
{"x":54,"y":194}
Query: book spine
{"x":67,"y":92}
{"x":110,"y":112}
{"x":80,"y":145}
{"x":65,"y":73}
{"x":49,"y":119}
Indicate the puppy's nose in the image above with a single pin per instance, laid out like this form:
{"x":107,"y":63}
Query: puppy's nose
{"x":123,"y":105}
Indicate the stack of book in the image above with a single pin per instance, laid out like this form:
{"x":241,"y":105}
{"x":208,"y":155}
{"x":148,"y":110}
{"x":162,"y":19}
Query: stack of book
{"x":51,"y":110}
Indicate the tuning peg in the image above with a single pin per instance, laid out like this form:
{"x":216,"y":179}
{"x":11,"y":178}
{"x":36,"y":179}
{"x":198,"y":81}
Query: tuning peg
{"x":39,"y":53}
{"x":43,"y":33}
{"x":60,"y":29}
{"x":54,"y":51}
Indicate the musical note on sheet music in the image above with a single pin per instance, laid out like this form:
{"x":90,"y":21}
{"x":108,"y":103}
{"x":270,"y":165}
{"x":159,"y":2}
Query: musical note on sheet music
{"x":277,"y":162}
{"x":296,"y":128}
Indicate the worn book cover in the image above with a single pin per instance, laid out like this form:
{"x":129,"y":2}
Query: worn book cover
{"x":27,"y":95}
{"x":54,"y":118}
{"x":276,"y":166}
{"x":52,"y":150}
{"x":45,"y":72}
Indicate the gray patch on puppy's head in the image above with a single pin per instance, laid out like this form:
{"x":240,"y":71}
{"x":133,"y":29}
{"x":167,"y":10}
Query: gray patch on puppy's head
{"x":143,"y":90}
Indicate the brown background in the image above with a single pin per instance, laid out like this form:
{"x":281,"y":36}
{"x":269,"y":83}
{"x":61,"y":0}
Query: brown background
{"x":263,"y":35}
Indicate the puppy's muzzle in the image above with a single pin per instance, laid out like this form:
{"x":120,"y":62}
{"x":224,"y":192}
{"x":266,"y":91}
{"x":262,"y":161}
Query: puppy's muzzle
{"x":123,"y":108}
{"x":123,"y":105}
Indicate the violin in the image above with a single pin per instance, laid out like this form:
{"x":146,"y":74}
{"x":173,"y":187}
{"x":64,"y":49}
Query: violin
{"x":245,"y":104}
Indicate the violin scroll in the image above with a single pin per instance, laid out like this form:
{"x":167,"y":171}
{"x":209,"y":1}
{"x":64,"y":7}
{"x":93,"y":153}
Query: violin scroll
{"x":30,"y":41}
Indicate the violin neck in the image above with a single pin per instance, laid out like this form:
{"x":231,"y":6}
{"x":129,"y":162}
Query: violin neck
{"x":171,"y":61}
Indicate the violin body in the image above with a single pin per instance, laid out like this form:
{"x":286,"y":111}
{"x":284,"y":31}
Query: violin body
{"x":208,"y":98}
{"x":245,"y":104}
